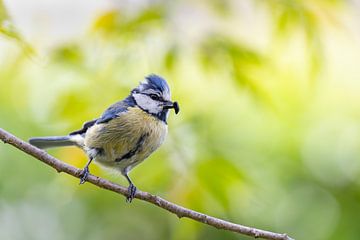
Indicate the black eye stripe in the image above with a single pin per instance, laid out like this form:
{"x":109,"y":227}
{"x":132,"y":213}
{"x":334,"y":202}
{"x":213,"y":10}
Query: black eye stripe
{"x":154,"y":96}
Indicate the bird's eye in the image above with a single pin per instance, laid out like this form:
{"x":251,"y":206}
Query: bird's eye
{"x":154,"y":97}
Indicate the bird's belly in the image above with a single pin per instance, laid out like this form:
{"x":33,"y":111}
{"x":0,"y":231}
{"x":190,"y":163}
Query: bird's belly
{"x":127,"y":140}
{"x":125,"y":158}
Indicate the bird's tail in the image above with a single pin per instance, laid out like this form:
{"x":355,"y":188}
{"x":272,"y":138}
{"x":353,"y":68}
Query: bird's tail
{"x":54,"y":141}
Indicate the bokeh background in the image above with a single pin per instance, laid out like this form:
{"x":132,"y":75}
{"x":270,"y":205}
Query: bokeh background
{"x":269,"y":129}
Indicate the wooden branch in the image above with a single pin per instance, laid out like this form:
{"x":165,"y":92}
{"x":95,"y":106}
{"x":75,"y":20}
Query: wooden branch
{"x":180,"y":211}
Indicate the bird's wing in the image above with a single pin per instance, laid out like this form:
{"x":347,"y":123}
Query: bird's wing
{"x":84,"y":128}
{"x":114,"y":110}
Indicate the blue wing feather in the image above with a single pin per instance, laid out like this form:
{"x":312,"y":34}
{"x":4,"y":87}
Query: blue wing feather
{"x":114,"y":110}
{"x":84,"y":128}
{"x":110,"y":113}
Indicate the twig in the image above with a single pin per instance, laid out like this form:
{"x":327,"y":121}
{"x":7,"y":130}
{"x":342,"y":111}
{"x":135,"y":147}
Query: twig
{"x":180,"y":211}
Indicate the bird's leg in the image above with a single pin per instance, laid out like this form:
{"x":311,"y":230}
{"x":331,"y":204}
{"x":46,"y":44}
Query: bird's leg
{"x":131,"y":190}
{"x":85,"y":172}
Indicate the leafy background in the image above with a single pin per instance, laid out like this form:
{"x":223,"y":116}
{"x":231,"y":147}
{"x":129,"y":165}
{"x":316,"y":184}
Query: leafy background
{"x":268,"y":134}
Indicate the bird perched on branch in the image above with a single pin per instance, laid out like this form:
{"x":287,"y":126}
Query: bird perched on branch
{"x":126,"y":133}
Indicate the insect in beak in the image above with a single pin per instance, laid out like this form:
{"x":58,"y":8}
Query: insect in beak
{"x":174,"y":105}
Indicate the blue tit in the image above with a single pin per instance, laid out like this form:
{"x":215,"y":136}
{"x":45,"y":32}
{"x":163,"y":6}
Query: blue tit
{"x":126,"y":133}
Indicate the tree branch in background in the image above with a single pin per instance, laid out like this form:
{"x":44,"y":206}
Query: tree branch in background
{"x":180,"y":211}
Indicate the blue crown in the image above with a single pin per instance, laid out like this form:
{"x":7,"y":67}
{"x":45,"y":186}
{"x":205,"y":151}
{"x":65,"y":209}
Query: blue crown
{"x":158,"y":83}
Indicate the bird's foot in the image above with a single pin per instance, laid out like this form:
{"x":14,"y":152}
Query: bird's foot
{"x":131,"y":193}
{"x":84,"y":175}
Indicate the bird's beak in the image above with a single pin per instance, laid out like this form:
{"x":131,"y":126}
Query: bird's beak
{"x":174,"y":105}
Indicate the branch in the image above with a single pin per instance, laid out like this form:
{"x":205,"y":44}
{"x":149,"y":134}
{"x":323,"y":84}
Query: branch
{"x":180,"y":211}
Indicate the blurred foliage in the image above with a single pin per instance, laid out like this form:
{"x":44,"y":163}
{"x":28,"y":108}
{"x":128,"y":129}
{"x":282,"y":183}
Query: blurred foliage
{"x":8,"y":29}
{"x":114,"y":22}
{"x":237,"y":60}
{"x":268,"y":134}
{"x":5,"y":25}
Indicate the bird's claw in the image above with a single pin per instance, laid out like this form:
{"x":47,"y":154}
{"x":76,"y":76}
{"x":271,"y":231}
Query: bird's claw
{"x":131,"y":193}
{"x":84,"y":175}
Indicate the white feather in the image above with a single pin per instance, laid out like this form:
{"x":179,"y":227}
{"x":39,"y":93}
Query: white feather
{"x":146,"y":103}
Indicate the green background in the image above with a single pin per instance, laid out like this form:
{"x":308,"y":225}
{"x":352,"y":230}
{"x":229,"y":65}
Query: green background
{"x":268,"y":134}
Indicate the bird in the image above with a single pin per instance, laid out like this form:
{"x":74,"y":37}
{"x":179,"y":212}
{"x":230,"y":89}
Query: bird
{"x":125,"y":134}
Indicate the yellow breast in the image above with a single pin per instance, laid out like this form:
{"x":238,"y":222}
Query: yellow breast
{"x":122,"y":135}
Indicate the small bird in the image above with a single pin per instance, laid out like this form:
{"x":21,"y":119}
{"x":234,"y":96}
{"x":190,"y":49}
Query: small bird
{"x":126,"y":133}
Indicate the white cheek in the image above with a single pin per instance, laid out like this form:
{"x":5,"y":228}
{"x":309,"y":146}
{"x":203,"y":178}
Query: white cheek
{"x":145,"y":102}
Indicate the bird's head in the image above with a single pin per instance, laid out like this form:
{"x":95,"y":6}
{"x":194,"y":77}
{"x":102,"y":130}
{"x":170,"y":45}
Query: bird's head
{"x":153,"y":96}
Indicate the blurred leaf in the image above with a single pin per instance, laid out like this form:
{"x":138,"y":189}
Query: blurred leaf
{"x":217,"y":48}
{"x":6,"y":27}
{"x":308,"y":16}
{"x":3,"y":14}
{"x":114,"y":22}
{"x":221,"y":7}
{"x":71,"y":103}
{"x":219,"y":53}
{"x":9,"y":30}
{"x":217,"y":175}
{"x":171,"y":57}
{"x":71,"y":54}
{"x":107,"y":22}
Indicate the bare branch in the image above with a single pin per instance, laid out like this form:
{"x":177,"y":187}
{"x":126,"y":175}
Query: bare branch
{"x":180,"y":211}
